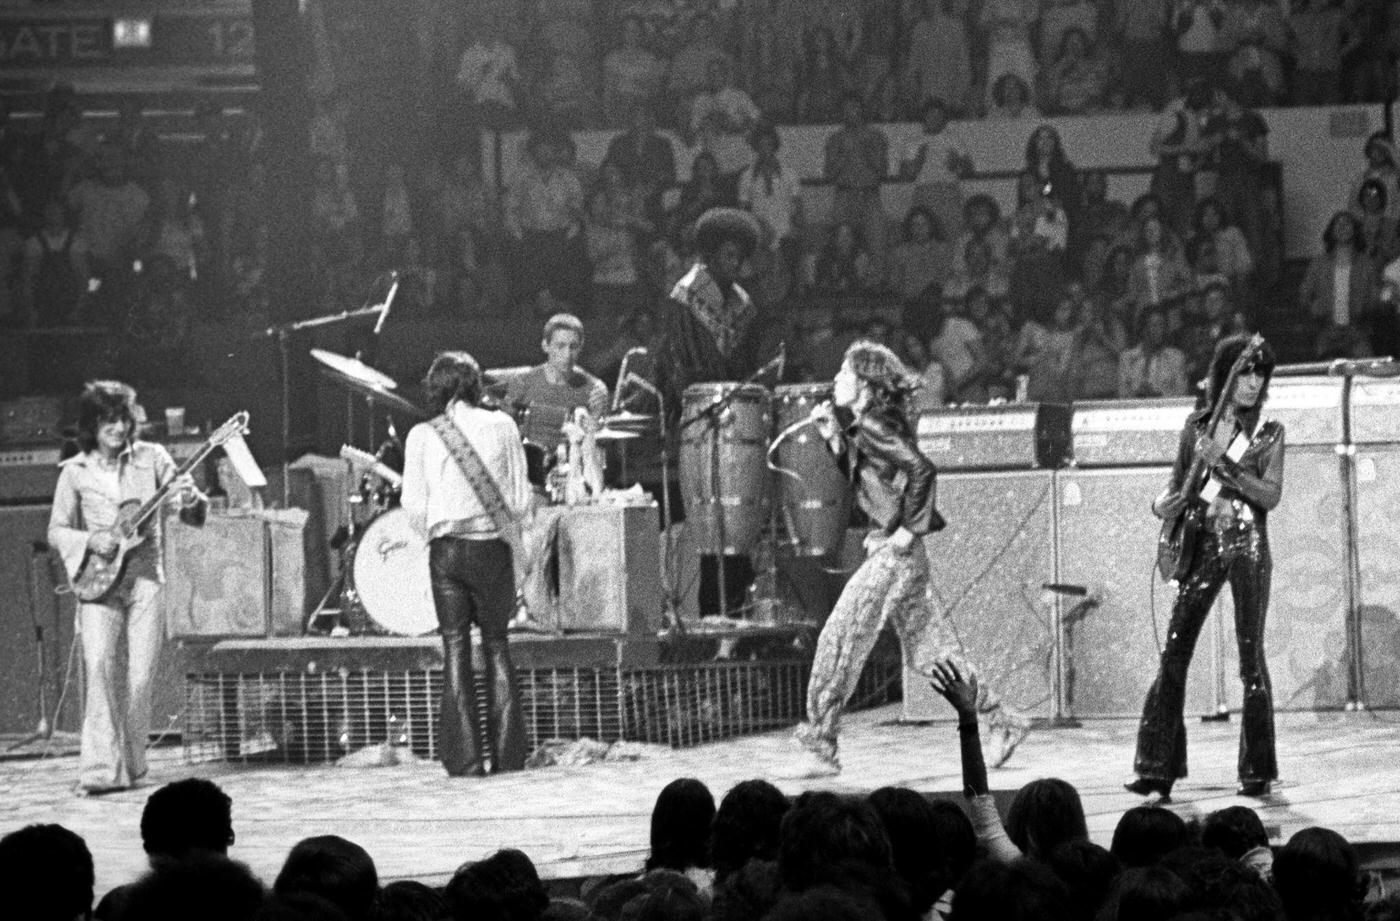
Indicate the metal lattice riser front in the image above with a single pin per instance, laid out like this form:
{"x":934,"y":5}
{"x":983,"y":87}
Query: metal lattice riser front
{"x":307,"y":717}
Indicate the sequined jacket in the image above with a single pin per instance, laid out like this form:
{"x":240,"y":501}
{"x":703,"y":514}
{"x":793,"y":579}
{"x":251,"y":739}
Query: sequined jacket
{"x":894,"y":481}
{"x":1256,"y":478}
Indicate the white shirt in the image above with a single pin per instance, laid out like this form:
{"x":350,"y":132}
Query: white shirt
{"x":722,"y":120}
{"x":774,"y":209}
{"x":1341,"y":292}
{"x":436,"y":492}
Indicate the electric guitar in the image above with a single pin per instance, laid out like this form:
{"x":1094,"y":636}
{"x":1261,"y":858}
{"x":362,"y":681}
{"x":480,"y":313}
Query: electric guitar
{"x":98,"y":574}
{"x":364,"y":459}
{"x":1177,"y":542}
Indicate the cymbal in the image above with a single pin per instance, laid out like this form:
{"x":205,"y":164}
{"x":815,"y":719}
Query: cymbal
{"x":393,"y":401}
{"x":353,"y":370}
{"x":626,"y":417}
{"x":603,"y":435}
{"x":363,"y":379}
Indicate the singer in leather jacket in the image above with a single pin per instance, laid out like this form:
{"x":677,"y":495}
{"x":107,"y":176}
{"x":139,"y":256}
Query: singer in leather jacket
{"x":895,"y":487}
{"x":1245,"y":464}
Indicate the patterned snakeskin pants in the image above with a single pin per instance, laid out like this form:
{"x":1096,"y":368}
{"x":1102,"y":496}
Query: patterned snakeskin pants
{"x":888,"y":587}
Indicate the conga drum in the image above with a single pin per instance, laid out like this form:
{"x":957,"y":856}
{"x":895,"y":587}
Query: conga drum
{"x":816,"y":509}
{"x":725,"y":482}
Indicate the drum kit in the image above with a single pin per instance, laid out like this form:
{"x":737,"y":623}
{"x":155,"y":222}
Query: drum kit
{"x":383,"y":585}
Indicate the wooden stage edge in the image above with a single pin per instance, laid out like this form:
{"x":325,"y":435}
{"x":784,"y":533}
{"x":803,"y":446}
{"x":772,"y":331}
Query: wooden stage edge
{"x":1339,"y":770}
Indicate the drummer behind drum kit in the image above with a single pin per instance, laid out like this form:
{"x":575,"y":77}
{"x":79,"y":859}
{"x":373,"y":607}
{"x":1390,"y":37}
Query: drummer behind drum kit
{"x":383,"y":584}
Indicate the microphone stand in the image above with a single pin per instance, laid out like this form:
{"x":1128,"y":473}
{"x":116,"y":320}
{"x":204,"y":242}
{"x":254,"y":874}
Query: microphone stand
{"x":281,"y":332}
{"x":711,"y":413}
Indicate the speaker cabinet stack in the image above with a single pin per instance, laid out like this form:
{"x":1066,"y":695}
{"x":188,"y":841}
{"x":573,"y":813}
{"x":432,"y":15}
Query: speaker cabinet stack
{"x":1108,"y":544}
{"x":1375,"y":406}
{"x":986,"y":569}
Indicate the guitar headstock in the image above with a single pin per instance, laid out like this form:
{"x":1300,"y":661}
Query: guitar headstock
{"x":356,"y":456}
{"x":236,"y":425}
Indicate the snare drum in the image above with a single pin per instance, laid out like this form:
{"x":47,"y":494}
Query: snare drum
{"x":389,"y":575}
{"x":723,"y":466}
{"x":817,"y":509}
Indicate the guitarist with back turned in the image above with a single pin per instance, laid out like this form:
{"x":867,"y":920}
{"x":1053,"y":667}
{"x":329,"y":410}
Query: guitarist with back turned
{"x":96,"y":488}
{"x":1228,"y":475}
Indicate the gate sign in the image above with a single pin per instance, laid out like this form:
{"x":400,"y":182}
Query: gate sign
{"x":55,"y":42}
{"x":195,"y":38}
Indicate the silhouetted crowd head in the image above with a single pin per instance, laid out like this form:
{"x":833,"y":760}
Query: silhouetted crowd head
{"x":894,"y":855}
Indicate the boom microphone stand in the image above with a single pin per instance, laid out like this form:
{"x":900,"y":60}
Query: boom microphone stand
{"x":282,"y":333}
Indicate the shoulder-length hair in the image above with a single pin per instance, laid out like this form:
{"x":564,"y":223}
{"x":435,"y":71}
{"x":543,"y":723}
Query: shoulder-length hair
{"x":103,"y":402}
{"x":1226,"y":351}
{"x":891,"y":382}
{"x":452,"y":376}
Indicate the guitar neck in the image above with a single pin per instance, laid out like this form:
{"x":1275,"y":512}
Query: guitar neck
{"x":149,"y":507}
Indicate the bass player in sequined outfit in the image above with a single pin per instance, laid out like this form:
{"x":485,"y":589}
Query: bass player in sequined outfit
{"x":1244,"y":462}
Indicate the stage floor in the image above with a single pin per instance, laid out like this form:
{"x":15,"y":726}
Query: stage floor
{"x":1339,"y":770}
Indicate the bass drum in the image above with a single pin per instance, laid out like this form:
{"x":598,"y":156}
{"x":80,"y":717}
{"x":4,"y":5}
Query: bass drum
{"x":723,"y":466}
{"x":389,"y":575}
{"x":816,"y":510}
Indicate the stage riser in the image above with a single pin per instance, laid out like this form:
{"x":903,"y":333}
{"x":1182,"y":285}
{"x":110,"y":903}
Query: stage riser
{"x":306,"y":702}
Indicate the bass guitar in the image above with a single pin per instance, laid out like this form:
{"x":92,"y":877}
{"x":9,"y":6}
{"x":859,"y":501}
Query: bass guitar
{"x":1177,"y":542}
{"x":98,"y":574}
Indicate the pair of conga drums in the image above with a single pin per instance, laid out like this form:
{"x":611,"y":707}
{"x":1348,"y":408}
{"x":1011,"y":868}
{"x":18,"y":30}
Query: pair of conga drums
{"x":724,"y":468}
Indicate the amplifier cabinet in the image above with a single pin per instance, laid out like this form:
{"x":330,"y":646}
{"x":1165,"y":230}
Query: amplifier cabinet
{"x":986,"y":569}
{"x":217,"y":575}
{"x":1017,"y":436}
{"x":609,"y":570}
{"x":1108,"y":544}
{"x":1378,"y":547}
{"x":1306,"y":635}
{"x":28,"y":473}
{"x":1310,"y":408}
{"x":1375,"y":410}
{"x":1127,"y":433}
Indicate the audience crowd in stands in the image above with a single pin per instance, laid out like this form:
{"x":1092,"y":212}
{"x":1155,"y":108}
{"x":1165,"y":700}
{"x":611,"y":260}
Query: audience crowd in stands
{"x":894,"y":855}
{"x":1071,"y":293}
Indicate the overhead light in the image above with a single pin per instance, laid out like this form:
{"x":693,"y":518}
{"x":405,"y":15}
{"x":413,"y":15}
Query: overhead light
{"x":131,"y":33}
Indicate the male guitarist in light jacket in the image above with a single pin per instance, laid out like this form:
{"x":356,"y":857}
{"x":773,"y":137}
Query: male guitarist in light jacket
{"x":114,"y":468}
{"x":467,"y":510}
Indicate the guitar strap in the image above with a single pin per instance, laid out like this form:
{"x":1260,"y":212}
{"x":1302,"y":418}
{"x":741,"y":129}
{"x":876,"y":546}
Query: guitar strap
{"x":488,"y":491}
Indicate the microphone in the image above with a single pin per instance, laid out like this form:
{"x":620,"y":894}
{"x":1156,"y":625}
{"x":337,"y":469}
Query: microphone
{"x":782,"y":358}
{"x":1363,"y":367}
{"x":388,"y":301}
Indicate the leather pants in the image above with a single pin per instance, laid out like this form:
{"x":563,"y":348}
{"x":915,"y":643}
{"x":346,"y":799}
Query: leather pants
{"x":473,"y":581}
{"x":1239,"y":554}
